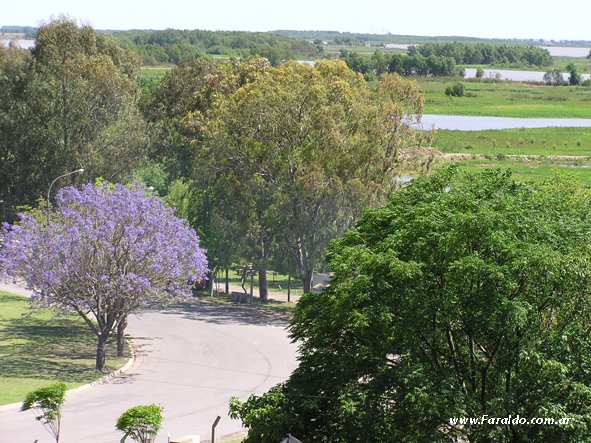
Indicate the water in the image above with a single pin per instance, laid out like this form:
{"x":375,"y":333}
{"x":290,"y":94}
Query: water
{"x":517,"y":76}
{"x":476,"y":123}
{"x":567,"y":51}
{"x":23,"y":44}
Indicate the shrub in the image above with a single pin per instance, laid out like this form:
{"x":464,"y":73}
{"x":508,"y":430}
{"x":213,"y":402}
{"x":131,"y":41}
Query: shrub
{"x":141,"y":423}
{"x":455,"y":90}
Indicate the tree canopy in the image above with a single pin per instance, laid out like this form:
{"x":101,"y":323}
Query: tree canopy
{"x":68,"y":103}
{"x":301,"y":150}
{"x":467,"y":295}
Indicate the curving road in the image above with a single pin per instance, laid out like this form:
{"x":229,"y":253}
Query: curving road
{"x":192,"y":358}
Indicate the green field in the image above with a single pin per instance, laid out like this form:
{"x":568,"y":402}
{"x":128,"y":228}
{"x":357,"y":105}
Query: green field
{"x":540,"y":141}
{"x":38,"y":348}
{"x":539,"y":170}
{"x":507,"y":99}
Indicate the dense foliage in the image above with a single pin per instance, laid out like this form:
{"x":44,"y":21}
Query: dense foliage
{"x":69,"y":103}
{"x":302,"y":150}
{"x":178,"y":46}
{"x":485,"y":54}
{"x":399,"y":63}
{"x":467,"y":295}
{"x":103,"y":253}
{"x":441,"y":59}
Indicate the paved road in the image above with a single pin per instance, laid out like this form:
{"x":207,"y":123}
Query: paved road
{"x":193,"y":358}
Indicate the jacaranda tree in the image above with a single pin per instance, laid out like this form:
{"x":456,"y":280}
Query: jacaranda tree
{"x":102,"y":253}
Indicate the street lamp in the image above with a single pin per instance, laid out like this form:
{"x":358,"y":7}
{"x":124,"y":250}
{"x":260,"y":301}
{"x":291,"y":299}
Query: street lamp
{"x":77,"y":171}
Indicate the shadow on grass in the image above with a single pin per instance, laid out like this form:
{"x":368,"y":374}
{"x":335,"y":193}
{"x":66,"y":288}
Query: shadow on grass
{"x":48,"y":349}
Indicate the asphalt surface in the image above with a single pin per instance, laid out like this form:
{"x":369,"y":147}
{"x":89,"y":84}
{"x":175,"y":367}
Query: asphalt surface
{"x":191,"y":359}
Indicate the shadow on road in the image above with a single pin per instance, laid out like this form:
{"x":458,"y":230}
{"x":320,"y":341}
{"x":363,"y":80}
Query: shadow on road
{"x":222,"y":313}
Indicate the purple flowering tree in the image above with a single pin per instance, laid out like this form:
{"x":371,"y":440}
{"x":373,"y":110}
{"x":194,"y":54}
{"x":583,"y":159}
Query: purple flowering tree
{"x":105,"y":252}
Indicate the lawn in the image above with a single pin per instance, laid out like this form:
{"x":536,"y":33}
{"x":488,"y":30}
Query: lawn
{"x":522,"y":141}
{"x":276,"y":282}
{"x":38,"y":347}
{"x":507,"y":99}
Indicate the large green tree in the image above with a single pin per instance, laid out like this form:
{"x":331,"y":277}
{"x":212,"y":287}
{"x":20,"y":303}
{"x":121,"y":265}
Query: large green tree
{"x":308,"y":148}
{"x":466,"y":296}
{"x":178,"y":111}
{"x":68,"y":103}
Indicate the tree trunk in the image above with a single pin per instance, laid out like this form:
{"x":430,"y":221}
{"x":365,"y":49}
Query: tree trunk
{"x":307,"y":280}
{"x":263,"y":288}
{"x":100,"y":352}
{"x":227,"y":282}
{"x":121,"y":336}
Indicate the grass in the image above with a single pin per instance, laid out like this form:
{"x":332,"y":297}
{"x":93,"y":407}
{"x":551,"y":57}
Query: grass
{"x":522,"y":141}
{"x":507,"y":99}
{"x":276,"y":282}
{"x":38,"y":348}
{"x":539,"y":170}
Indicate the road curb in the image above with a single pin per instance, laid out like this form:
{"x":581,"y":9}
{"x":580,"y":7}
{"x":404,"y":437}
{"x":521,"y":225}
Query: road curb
{"x":100,"y":381}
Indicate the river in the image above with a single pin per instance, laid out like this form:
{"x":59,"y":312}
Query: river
{"x":478,"y":123}
{"x":517,"y":76}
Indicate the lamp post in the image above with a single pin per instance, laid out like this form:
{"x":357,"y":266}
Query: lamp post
{"x":77,"y":171}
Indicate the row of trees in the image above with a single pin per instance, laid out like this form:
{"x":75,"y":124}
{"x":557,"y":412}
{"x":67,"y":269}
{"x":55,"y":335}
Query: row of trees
{"x":441,"y":59}
{"x":554,"y":77}
{"x":400,"y":63}
{"x":178,"y":46}
{"x":485,"y":54}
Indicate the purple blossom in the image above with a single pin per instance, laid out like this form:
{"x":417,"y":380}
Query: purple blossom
{"x":106,"y":252}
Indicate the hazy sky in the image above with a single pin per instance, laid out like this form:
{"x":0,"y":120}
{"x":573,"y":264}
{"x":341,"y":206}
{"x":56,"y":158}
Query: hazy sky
{"x":548,"y":19}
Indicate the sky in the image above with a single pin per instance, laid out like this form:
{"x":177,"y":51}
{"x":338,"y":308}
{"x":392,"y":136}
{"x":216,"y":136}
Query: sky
{"x":542,"y":19}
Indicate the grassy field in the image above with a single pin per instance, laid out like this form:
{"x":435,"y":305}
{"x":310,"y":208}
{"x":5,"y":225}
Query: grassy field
{"x":37,"y":349}
{"x":531,"y":170}
{"x":507,"y":99}
{"x":275,"y":281}
{"x":540,"y":141}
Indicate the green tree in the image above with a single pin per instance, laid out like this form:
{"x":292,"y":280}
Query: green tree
{"x":69,"y":103}
{"x":47,"y":402}
{"x":141,"y":423}
{"x":308,"y":149}
{"x":179,"y":110}
{"x":574,"y":76}
{"x":554,"y":77}
{"x":467,"y":295}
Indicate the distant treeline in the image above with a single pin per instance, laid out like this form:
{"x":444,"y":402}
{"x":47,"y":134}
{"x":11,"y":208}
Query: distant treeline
{"x":356,"y":39}
{"x":178,"y":46}
{"x":403,"y":64}
{"x":442,"y":59}
{"x":483,"y":54}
